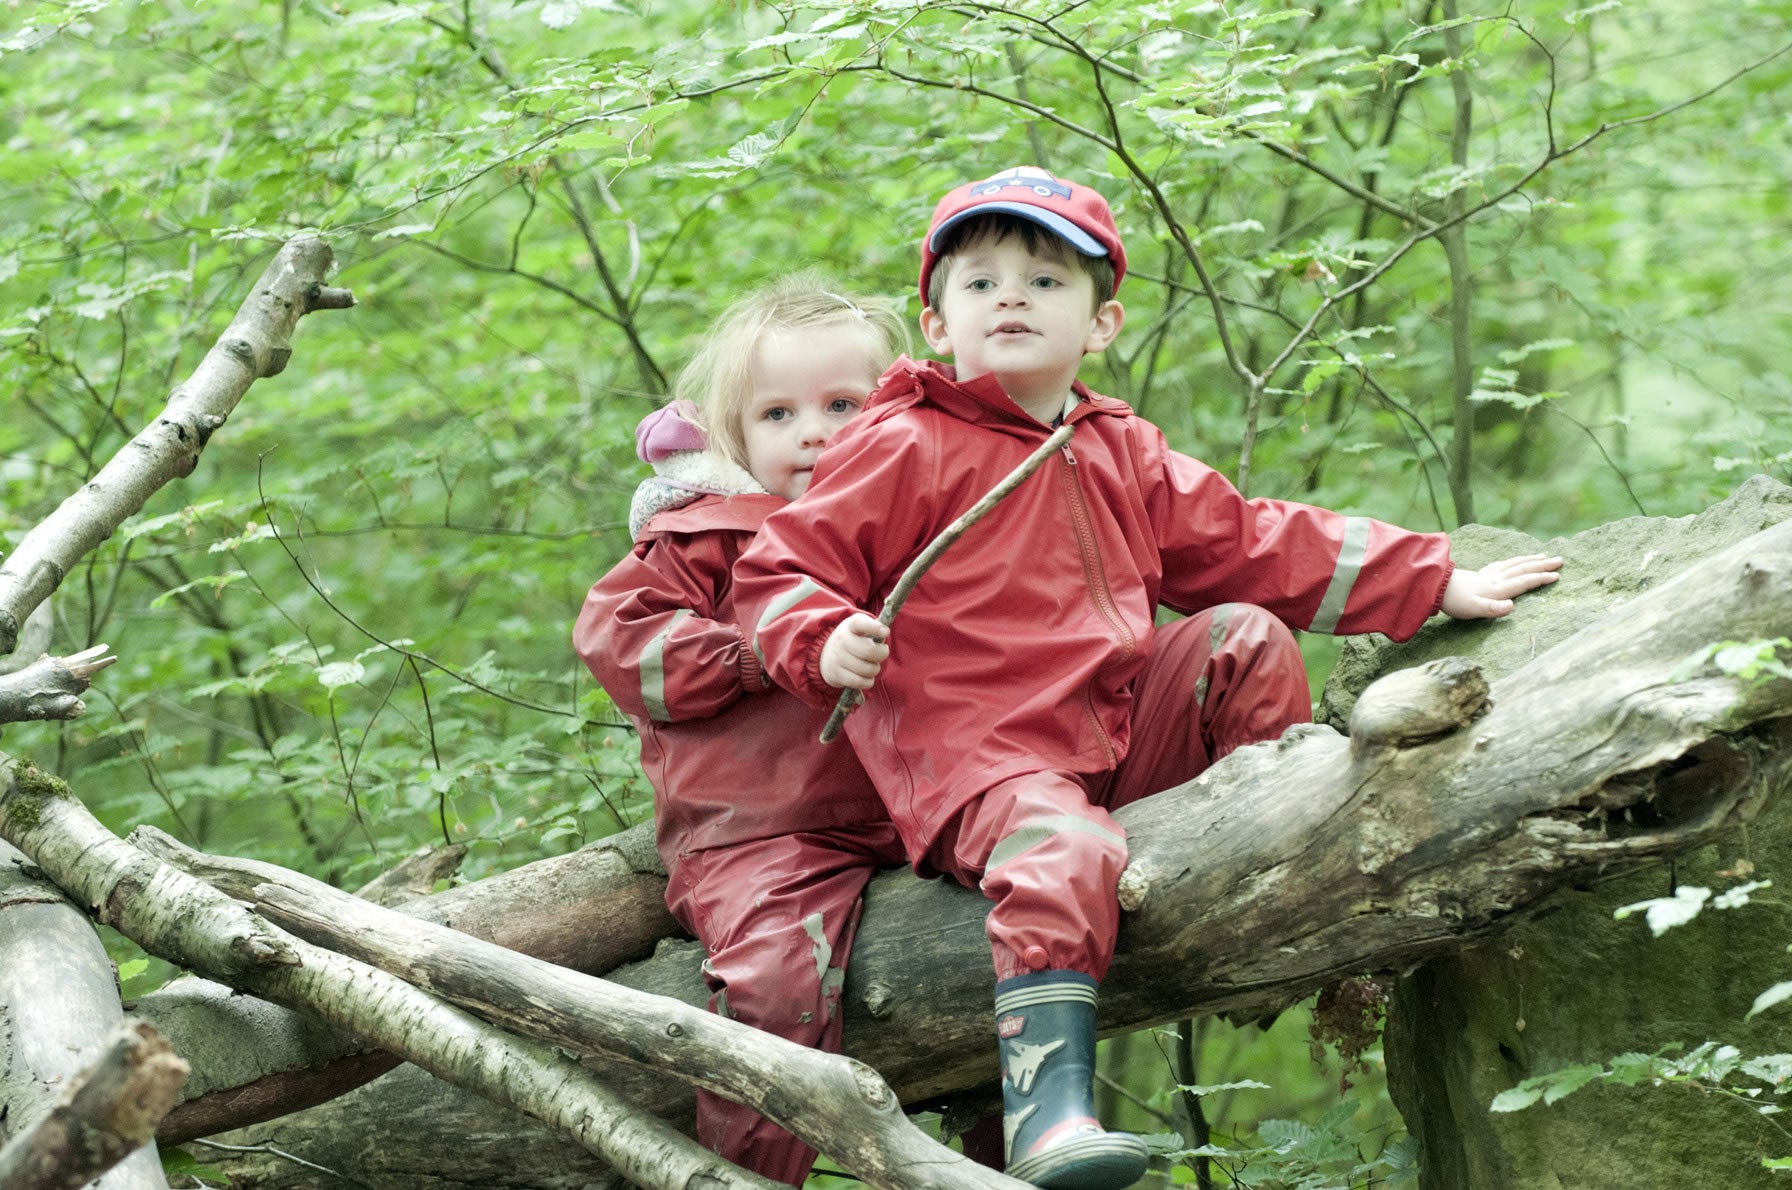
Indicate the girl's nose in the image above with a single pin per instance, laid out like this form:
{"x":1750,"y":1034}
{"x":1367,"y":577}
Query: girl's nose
{"x":814,"y":429}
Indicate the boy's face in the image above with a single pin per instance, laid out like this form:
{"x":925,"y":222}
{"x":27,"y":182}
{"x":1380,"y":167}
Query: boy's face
{"x":1025,"y":316}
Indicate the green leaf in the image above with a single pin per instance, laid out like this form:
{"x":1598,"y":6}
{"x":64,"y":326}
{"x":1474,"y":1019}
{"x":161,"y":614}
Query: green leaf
{"x":1247,"y":1084}
{"x":1774,"y":995}
{"x":337,"y":674}
{"x":1664,"y":913}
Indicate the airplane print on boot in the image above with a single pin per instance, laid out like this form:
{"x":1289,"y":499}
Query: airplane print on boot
{"x":1045,"y":1025}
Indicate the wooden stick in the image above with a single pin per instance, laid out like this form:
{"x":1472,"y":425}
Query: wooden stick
{"x":850,"y":698}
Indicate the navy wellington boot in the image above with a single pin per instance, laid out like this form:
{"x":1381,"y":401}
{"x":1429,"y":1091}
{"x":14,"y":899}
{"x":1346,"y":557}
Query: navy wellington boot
{"x":1045,"y":1024}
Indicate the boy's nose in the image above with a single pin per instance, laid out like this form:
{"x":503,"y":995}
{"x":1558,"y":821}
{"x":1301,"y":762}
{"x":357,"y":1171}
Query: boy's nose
{"x":1012,"y":291}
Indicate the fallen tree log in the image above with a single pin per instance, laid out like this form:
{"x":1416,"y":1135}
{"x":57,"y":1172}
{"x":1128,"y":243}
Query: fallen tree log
{"x":833,"y":1103}
{"x":58,"y":1006}
{"x":105,"y":1113}
{"x":855,"y":1117}
{"x":1292,"y":864}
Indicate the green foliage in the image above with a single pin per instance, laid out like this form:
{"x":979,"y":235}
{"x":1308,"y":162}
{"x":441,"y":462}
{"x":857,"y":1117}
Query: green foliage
{"x":1712,"y":1068}
{"x":1756,"y":1084}
{"x":1752,"y":660}
{"x":1296,"y":1155}
{"x":178,"y":1164}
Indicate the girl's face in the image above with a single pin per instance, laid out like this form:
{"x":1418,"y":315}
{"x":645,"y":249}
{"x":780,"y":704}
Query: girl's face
{"x":804,"y":385}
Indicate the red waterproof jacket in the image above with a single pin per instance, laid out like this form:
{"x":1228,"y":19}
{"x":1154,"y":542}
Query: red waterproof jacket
{"x":1015,"y":652}
{"x":730,"y":759}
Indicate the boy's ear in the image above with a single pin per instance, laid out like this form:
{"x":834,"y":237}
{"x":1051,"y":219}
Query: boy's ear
{"x":933,"y":329}
{"x":1108,"y":320}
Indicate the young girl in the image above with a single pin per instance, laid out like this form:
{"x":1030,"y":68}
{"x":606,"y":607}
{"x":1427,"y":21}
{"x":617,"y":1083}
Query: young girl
{"x":769,"y":836}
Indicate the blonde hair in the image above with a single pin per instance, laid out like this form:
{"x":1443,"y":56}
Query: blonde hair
{"x":719,"y":376}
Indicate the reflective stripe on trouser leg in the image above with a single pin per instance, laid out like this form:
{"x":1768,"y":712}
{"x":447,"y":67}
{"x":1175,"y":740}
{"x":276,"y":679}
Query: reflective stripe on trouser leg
{"x":1229,"y":676}
{"x":1051,"y":862}
{"x":778,"y":918}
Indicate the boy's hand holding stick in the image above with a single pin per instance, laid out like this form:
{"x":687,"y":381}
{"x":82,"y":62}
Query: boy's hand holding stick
{"x":849,"y":697}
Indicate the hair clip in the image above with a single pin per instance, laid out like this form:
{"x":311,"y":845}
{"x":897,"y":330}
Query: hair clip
{"x":848,"y":303}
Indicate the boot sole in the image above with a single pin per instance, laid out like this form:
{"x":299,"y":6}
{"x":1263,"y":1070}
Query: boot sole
{"x":1108,"y":1162}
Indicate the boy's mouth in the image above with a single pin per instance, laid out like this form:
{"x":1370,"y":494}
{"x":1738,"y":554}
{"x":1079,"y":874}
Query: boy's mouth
{"x":1012,"y":328}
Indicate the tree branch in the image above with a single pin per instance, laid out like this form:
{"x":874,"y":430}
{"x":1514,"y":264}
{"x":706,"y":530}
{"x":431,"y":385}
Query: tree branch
{"x":109,"y":1111}
{"x":256,"y":344}
{"x":50,"y":687}
{"x":846,"y":1109}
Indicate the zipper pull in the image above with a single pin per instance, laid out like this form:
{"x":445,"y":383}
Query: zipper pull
{"x":1069,"y":457}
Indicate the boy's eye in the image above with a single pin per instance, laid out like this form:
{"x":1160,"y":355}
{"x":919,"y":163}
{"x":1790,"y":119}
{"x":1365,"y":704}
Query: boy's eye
{"x":1047,"y":282}
{"x":980,"y":285}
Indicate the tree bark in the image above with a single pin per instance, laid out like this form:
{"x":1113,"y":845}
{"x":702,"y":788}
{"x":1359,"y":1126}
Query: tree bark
{"x":256,"y":344}
{"x":173,"y":915}
{"x":58,"y":1004}
{"x":50,"y":687}
{"x":590,"y":910}
{"x":106,"y":1113}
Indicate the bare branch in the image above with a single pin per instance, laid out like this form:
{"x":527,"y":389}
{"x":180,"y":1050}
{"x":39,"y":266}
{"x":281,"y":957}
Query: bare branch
{"x":850,"y":698}
{"x":107,"y":1112}
{"x":256,"y":344}
{"x":50,"y":687}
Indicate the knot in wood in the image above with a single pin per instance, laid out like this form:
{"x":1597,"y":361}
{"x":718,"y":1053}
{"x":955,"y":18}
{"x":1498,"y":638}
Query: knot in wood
{"x":240,"y":350}
{"x":674,"y":1029}
{"x":872,"y":1088}
{"x":1414,"y":705}
{"x":879,"y":1000}
{"x":1134,"y":887}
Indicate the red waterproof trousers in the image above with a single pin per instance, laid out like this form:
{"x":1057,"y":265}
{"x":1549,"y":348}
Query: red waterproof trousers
{"x":1043,"y":846}
{"x":777,"y":917}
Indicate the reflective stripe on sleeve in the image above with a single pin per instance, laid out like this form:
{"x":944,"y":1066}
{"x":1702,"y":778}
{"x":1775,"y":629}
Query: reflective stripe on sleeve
{"x":778,"y":607}
{"x":653,"y":670}
{"x":1030,"y":834}
{"x":1351,"y":552}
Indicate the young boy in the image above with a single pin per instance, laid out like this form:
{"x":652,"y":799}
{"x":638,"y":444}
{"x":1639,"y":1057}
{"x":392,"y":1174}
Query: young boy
{"x":1024,"y":691}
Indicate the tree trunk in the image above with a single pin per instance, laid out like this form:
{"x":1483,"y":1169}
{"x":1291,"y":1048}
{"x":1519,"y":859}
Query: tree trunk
{"x":58,"y":1006}
{"x":1572,"y":986}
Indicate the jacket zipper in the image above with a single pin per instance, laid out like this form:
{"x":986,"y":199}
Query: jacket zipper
{"x":1097,"y":581}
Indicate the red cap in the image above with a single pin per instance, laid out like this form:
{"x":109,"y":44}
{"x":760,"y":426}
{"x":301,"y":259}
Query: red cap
{"x":1076,"y":214}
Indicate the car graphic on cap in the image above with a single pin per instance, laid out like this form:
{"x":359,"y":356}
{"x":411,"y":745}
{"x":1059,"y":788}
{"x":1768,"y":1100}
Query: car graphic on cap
{"x":1044,"y":185}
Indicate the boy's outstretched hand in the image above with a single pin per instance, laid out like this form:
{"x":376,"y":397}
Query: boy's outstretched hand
{"x":1487,"y":593}
{"x":855,"y":652}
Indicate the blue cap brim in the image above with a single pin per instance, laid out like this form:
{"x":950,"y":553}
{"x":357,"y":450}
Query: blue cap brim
{"x":1079,"y":239}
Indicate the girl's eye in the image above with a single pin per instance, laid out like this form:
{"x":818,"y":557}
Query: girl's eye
{"x":843,"y":405}
{"x":776,"y":413}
